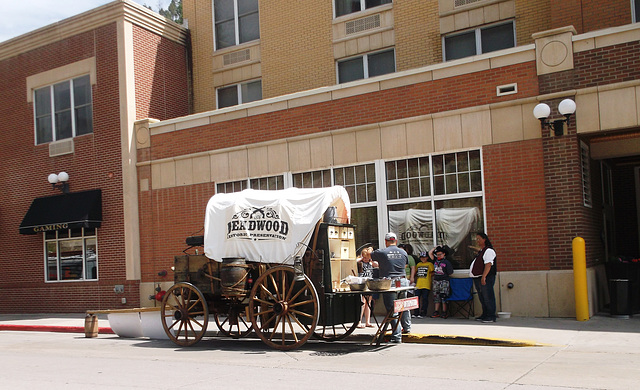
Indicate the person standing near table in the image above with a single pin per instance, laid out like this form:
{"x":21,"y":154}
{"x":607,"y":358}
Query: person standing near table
{"x":442,"y":268}
{"x":484,"y":283}
{"x":367,"y":265}
{"x":392,"y":262}
{"x":424,"y":274}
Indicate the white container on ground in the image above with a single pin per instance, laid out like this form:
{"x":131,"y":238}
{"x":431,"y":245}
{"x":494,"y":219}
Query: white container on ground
{"x":125,"y":324}
{"x":152,"y":325}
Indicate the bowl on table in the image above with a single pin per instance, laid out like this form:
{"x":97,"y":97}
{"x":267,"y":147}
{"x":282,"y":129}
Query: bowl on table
{"x":379,"y":284}
{"x":357,"y":286}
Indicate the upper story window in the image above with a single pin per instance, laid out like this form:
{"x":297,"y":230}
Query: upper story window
{"x":479,"y":40}
{"x":239,"y":93}
{"x":344,"y":7}
{"x":276,"y":182}
{"x":635,"y":11}
{"x":313,"y":179}
{"x":236,"y":22}
{"x":71,"y":254}
{"x":63,"y":110}
{"x":368,"y":65}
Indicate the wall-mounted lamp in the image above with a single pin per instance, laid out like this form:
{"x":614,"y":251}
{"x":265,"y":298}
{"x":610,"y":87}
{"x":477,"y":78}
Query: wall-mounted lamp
{"x":567,"y":107}
{"x":60,"y":181}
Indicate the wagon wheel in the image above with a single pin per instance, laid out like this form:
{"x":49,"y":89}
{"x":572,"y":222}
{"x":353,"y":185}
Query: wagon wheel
{"x":181,"y":305}
{"x":284,"y":311}
{"x":235,"y":322}
{"x":335,"y":332}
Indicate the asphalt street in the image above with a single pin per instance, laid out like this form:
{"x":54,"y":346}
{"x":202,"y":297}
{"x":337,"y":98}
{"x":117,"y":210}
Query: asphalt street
{"x":602,"y":353}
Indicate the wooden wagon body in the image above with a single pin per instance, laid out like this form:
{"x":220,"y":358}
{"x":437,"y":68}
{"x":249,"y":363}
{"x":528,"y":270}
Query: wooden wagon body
{"x":283,"y":302}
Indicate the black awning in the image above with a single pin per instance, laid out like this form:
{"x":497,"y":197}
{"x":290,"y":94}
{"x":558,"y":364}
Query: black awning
{"x":68,"y":211}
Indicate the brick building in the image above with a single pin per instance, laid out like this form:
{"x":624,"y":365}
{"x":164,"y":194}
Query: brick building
{"x":71,"y":92}
{"x":421,"y":109}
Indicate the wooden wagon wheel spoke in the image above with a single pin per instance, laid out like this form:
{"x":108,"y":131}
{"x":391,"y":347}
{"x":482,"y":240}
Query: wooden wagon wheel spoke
{"x":287,"y":309}
{"x":274,"y":287}
{"x":300,"y":313}
{"x":233,"y":321}
{"x":181,"y":306}
{"x":301,"y":303}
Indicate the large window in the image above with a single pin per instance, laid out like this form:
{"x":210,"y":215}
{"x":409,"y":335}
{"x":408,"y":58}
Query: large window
{"x":428,"y":200}
{"x":63,"y":110}
{"x":344,"y":7}
{"x":239,"y":93}
{"x":368,"y":65}
{"x":436,"y":200}
{"x":236,"y":22}
{"x":635,"y":11}
{"x":71,"y":255}
{"x":479,"y":40}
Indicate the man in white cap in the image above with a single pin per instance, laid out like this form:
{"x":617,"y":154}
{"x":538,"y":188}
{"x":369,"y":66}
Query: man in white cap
{"x":392,"y":262}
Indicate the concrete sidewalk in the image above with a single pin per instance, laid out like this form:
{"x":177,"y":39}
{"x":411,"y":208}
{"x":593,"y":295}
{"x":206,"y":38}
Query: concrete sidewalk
{"x":515,"y":331}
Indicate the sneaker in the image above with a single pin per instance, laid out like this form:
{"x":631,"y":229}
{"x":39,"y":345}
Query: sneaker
{"x":445,"y":315}
{"x":435,"y":314}
{"x":418,"y":316}
{"x":488,"y":320}
{"x":479,"y":318}
{"x":395,"y":341}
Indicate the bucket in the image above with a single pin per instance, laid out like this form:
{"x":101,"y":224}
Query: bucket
{"x":91,"y":326}
{"x":233,"y":276}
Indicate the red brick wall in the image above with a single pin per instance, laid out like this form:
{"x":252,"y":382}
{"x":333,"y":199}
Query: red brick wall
{"x":516,"y":205}
{"x":167,"y":218}
{"x":418,"y":99}
{"x":161,"y":76}
{"x":590,"y":15}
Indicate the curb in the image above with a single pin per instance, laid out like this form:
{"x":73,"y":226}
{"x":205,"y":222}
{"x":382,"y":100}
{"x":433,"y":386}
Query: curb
{"x":406,"y":338}
{"x":51,"y":328}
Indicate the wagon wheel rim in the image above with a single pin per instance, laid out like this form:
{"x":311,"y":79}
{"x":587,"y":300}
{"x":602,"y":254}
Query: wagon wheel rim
{"x":335,"y":332}
{"x":284,"y":312}
{"x":235,"y":323}
{"x":185,"y":314}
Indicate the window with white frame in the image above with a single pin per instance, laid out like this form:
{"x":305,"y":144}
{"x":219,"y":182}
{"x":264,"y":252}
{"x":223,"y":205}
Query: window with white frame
{"x":232,"y":186}
{"x":276,"y":182}
{"x":428,"y":200}
{"x":63,"y":110}
{"x":436,"y":200}
{"x":345,"y":7}
{"x":455,"y":173}
{"x":635,"y":11}
{"x":71,"y":255}
{"x":359,"y":181}
{"x":236,"y":22}
{"x":313,"y":179}
{"x":239,"y":93}
{"x":479,"y":40}
{"x":365,"y":66}
{"x":267,"y":183}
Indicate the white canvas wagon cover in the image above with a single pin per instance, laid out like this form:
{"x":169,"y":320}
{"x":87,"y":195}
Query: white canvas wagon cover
{"x":267,"y":226}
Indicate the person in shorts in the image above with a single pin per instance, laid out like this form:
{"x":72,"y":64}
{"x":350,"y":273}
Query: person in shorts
{"x":440,"y":288}
{"x":424,"y":274}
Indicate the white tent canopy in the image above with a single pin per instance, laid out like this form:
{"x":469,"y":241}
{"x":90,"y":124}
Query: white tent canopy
{"x":267,"y":226}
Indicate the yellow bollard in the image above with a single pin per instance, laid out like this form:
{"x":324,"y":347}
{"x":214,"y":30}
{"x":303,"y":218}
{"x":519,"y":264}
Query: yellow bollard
{"x":580,"y":279}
